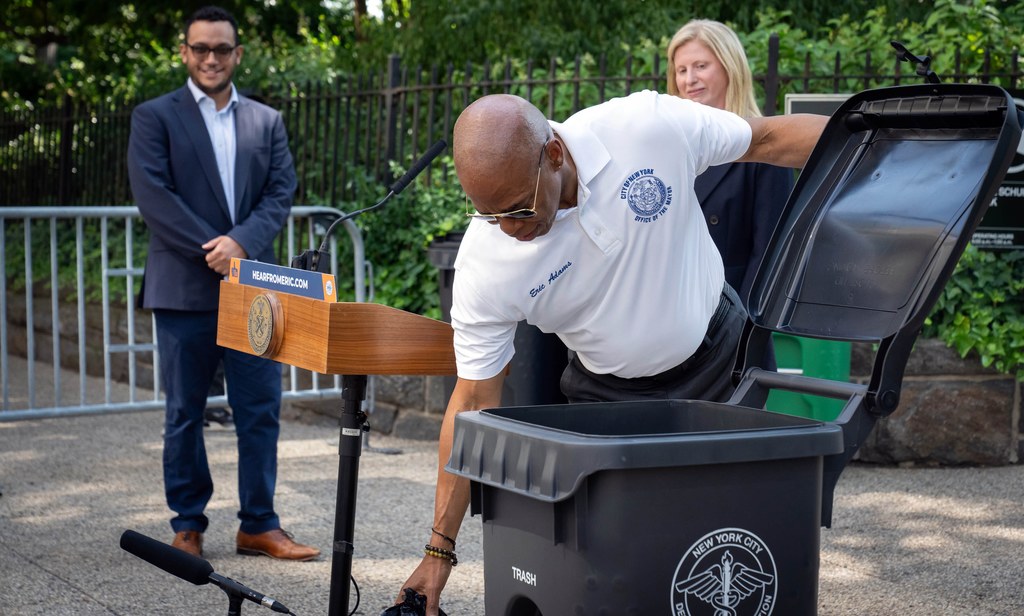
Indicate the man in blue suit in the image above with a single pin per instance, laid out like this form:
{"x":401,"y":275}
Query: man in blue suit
{"x":213,"y":178}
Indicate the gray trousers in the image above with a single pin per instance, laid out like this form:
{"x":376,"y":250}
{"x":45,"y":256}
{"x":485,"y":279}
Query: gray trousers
{"x":706,"y":375}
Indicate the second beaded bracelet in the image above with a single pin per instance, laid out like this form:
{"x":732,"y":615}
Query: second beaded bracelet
{"x":437,"y":552}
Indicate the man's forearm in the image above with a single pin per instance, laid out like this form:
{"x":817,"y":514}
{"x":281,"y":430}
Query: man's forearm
{"x":785,"y":141}
{"x":451,"y":497}
{"x":451,"y":500}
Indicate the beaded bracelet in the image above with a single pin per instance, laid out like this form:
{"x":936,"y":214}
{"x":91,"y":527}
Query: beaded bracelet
{"x":441,"y":553}
{"x":443,"y":536}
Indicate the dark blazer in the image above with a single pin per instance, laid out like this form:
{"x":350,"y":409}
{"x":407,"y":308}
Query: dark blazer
{"x":742,"y":202}
{"x":176,"y":185}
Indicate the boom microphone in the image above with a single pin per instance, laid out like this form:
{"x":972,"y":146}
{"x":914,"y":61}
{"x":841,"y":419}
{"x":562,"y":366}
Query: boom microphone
{"x":316,"y":260}
{"x":191,"y":568}
{"x":170,"y":559}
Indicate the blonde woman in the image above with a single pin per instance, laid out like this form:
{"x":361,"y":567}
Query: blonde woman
{"x":742,"y":202}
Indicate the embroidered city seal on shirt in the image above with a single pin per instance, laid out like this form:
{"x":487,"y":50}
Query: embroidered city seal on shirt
{"x":646,"y":194}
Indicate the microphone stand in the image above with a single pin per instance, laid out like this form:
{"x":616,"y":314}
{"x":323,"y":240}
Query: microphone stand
{"x":352,"y":423}
{"x":352,"y":420}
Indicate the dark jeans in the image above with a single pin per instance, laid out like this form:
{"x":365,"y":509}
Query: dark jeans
{"x":188,"y":360}
{"x":706,"y":375}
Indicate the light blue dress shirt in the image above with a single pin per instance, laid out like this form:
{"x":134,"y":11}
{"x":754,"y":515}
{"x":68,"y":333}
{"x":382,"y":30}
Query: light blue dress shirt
{"x":221,"y":127}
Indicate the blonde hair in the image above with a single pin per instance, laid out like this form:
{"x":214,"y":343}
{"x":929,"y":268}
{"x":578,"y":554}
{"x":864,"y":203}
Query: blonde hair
{"x":723,"y":42}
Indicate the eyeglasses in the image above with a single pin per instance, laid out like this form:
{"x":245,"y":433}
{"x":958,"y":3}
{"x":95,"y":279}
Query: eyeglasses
{"x":221,"y":51}
{"x":521,"y":214}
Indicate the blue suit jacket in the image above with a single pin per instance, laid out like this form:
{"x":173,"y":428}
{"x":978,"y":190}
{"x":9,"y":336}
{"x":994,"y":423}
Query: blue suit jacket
{"x":176,"y":185}
{"x":742,"y":203}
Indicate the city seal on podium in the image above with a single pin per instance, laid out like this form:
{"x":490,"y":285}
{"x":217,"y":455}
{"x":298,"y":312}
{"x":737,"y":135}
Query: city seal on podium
{"x":265,"y":325}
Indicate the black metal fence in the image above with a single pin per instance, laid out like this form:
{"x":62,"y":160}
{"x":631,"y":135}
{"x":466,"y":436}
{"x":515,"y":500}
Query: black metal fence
{"x":345,"y":133}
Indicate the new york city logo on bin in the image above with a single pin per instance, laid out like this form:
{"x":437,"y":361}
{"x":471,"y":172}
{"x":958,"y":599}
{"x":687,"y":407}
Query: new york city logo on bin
{"x":727,"y":572}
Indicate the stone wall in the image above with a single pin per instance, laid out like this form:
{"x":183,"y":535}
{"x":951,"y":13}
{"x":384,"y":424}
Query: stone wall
{"x":952,"y":411}
{"x":68,"y":326}
{"x":406,"y":406}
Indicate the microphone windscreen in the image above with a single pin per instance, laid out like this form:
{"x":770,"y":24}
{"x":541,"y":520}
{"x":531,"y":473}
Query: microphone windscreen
{"x":172,"y":560}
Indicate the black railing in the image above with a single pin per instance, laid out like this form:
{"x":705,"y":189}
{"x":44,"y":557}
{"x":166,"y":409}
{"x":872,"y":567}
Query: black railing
{"x":344,"y":134}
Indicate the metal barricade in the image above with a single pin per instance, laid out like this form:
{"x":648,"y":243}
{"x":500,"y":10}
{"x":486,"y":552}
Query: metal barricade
{"x":45,"y":378}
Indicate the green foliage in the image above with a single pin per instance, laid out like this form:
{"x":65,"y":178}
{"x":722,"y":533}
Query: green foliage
{"x":955,"y":35}
{"x":458,"y":31}
{"x":469,"y":30}
{"x":102,"y":52}
{"x":398,"y":239}
{"x":981,"y":307}
{"x":108,"y":53}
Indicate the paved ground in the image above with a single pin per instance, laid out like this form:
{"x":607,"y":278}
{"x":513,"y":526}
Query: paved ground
{"x":906,"y":541}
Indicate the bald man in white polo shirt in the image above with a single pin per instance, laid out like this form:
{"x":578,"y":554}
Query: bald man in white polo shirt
{"x":590,"y":229}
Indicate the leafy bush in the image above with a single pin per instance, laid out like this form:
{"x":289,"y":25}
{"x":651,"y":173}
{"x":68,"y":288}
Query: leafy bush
{"x":955,"y":35}
{"x":981,"y":307}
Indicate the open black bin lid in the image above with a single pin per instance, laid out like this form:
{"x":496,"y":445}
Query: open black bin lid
{"x":883,"y":209}
{"x":878,"y":218}
{"x":870,"y":235}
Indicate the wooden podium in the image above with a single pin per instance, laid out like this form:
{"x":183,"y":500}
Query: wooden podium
{"x":341,"y":337}
{"x":348,"y":338}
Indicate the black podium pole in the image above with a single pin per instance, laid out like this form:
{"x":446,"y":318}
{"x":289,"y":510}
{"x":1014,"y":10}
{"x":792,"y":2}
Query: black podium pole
{"x":353,"y":423}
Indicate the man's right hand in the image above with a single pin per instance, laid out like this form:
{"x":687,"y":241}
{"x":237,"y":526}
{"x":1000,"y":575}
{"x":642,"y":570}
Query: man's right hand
{"x":220,"y":251}
{"x":428,"y":580}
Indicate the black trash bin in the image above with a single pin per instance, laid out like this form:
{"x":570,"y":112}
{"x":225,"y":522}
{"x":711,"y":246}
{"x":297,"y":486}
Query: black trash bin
{"x":638,"y":508}
{"x":540,"y":358}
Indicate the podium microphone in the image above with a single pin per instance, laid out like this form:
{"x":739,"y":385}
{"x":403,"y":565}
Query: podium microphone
{"x":191,"y":568}
{"x":317,"y":260}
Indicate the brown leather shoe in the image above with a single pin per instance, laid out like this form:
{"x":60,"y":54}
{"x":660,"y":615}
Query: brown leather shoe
{"x":190,"y":541}
{"x":276,"y":544}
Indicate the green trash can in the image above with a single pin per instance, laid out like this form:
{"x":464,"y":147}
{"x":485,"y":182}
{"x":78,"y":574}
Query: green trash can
{"x":823,"y":359}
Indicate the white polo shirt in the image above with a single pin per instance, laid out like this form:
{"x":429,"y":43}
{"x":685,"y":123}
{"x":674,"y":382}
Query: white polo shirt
{"x":630,"y":277}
